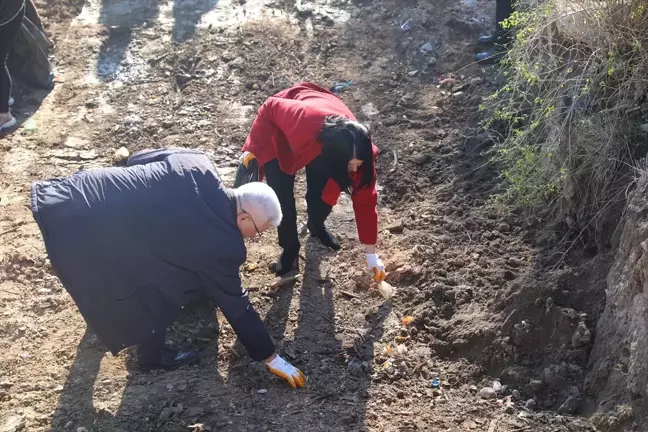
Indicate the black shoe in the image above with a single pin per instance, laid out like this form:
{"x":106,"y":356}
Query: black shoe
{"x":287,"y":261}
{"x":327,"y":238}
{"x":171,"y":359}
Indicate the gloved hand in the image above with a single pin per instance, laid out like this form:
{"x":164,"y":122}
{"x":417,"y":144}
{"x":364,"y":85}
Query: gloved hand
{"x":376,"y":267}
{"x":246,"y":157}
{"x":285,"y":370}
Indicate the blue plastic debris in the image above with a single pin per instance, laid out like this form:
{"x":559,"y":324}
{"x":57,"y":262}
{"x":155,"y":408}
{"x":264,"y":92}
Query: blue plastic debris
{"x":341,"y":86}
{"x":436,"y":383}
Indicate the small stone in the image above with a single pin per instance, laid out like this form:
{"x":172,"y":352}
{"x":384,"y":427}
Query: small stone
{"x":503,"y":227}
{"x":400,"y":394}
{"x":413,"y":73}
{"x":459,"y":95}
{"x":581,"y":336}
{"x":68,"y":425}
{"x":483,"y":262}
{"x":369,"y":109}
{"x":448,"y":83}
{"x":421,"y":158}
{"x":167,"y":124}
{"x":531,"y":404}
{"x":644,"y":127}
{"x":81,"y":429}
{"x":165,"y":414}
{"x":514,"y":262}
{"x":262,"y":391}
{"x":510,"y":409}
{"x":121,"y":155}
{"x":476,"y":81}
{"x":537,"y":385}
{"x":487,"y":393}
{"x":497,"y":386}
{"x":396,"y":227}
{"x":428,"y":48}
{"x":516,"y":395}
{"x":569,"y":406}
{"x":76,"y":143}
{"x":194,"y":412}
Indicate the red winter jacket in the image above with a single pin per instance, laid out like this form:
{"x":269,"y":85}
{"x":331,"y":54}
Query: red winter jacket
{"x":286,"y":128}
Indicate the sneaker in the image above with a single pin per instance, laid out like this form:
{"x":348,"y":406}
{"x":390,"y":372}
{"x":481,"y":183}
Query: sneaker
{"x":171,"y":359}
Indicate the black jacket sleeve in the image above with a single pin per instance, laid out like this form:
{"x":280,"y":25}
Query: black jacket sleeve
{"x":223,"y":284}
{"x":148,"y":156}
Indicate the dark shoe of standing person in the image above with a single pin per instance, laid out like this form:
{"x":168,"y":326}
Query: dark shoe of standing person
{"x":288,"y":261}
{"x":326,"y":238}
{"x":170,"y":359}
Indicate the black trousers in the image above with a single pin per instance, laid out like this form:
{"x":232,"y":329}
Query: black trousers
{"x":8,"y":33}
{"x":284,"y":184}
{"x":503,"y":10}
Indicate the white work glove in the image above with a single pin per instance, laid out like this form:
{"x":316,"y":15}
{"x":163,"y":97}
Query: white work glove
{"x":376,"y":267}
{"x":285,"y":370}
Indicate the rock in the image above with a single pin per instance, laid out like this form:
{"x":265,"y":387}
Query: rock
{"x":76,"y":143}
{"x":166,"y":414}
{"x":458,"y":88}
{"x":370,"y":109}
{"x":537,"y":385}
{"x":68,"y":425}
{"x":516,"y":395}
{"x":132,"y":119}
{"x":476,"y":81}
{"x":483,"y":262}
{"x":487,"y":393}
{"x":81,"y":429}
{"x":428,"y":48}
{"x":396,"y":227}
{"x":238,"y":62}
{"x":195,"y":412}
{"x":167,"y":124}
{"x":413,"y":73}
{"x":644,"y":127}
{"x":12,"y":423}
{"x":400,"y":394}
{"x":510,"y":409}
{"x":448,"y":83}
{"x":569,"y":406}
{"x":459,"y":95}
{"x":262,"y":391}
{"x":531,"y":404}
{"x":582,"y":336}
{"x":121,"y":155}
{"x":554,"y":376}
{"x":514,"y":262}
{"x":497,"y":386}
{"x":421,"y":158}
{"x":503,"y":227}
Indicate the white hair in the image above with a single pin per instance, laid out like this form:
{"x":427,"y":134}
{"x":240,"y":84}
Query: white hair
{"x":261,"y":201}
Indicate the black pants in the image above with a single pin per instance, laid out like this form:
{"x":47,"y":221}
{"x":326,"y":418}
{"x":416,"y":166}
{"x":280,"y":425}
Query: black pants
{"x":503,"y":10}
{"x":151,"y":350}
{"x":283,"y":184}
{"x":7,"y":35}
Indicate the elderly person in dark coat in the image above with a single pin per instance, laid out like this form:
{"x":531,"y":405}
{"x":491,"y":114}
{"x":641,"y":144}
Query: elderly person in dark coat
{"x":133,"y":245}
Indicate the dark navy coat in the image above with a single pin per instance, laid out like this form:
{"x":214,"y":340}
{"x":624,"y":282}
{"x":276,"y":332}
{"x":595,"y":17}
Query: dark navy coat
{"x":133,"y":245}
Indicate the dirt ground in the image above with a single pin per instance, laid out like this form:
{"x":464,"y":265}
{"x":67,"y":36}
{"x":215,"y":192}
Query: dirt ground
{"x":486,"y":314}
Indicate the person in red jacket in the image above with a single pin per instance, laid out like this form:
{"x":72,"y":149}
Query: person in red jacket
{"x":307,"y":126}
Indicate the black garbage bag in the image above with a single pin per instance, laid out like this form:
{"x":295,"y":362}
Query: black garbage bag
{"x":29,"y":56}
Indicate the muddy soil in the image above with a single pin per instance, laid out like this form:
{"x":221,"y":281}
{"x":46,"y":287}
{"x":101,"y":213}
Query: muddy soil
{"x":507,"y":342}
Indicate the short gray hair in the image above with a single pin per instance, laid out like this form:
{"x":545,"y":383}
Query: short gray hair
{"x":261,"y":201}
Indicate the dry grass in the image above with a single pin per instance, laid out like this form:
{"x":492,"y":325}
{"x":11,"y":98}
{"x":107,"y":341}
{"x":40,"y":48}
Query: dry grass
{"x":573,"y":103}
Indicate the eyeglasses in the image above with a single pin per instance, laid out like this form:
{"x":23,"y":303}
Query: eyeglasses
{"x":252,"y":219}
